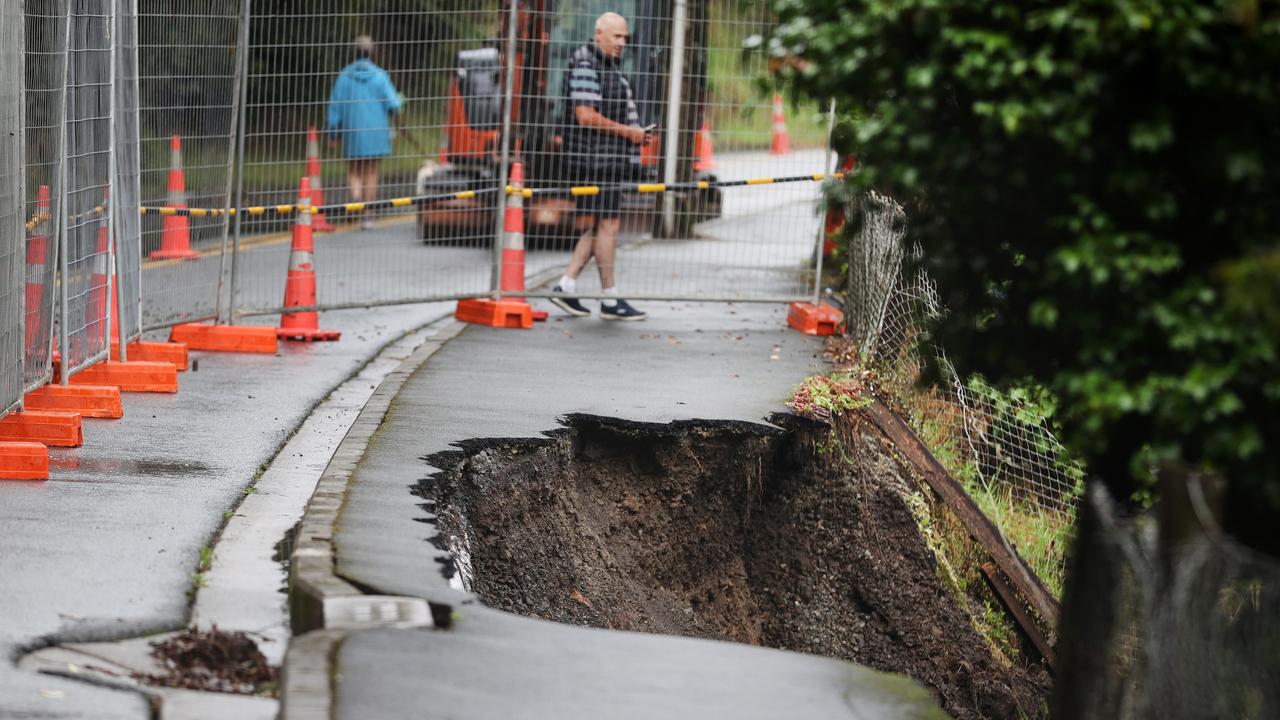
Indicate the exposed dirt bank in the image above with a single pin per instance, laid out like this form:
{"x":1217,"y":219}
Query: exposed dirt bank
{"x":726,"y":531}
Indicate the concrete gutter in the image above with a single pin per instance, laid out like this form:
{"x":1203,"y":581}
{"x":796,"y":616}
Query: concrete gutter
{"x":318,"y":597}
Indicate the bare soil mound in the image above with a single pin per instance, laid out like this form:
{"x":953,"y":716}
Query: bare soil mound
{"x":725,"y":531}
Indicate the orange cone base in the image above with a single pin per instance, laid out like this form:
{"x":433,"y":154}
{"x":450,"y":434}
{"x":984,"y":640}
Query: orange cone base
{"x":170,"y":352}
{"x":132,"y":376}
{"x":56,"y":429}
{"x":178,"y":254}
{"x":91,"y":401}
{"x":320,"y":224}
{"x":495,"y":313}
{"x":539,"y":315}
{"x":813,"y":319}
{"x":226,"y":338}
{"x":24,"y":461}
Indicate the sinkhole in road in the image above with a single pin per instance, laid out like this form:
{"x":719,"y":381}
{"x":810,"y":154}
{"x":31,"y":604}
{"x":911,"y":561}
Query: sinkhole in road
{"x":768,"y":535}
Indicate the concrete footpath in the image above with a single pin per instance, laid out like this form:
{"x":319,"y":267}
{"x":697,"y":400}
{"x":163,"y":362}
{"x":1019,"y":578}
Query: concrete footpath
{"x":736,"y":362}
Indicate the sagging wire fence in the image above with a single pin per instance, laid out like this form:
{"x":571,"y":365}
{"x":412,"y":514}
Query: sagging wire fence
{"x":998,"y":445}
{"x":1168,"y":616}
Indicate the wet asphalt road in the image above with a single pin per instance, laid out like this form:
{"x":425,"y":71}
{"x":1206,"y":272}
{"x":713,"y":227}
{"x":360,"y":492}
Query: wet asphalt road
{"x":107,"y":547}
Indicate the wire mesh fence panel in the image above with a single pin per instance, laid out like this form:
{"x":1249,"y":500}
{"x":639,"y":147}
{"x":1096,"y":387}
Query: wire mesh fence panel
{"x":85,"y":236}
{"x":641,"y":96}
{"x":12,"y":207}
{"x":127,"y":185}
{"x":361,"y":97}
{"x":44,"y":105}
{"x":997,"y":444}
{"x":187,"y":64}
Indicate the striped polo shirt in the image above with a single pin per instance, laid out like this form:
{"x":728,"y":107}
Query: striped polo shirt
{"x":596,"y":81}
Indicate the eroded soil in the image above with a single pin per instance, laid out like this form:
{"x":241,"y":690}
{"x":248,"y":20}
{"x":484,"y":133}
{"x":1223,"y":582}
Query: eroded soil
{"x":727,"y":531}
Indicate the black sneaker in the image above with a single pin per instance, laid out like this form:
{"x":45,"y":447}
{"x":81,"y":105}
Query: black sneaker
{"x":621,"y":310}
{"x":568,"y":304}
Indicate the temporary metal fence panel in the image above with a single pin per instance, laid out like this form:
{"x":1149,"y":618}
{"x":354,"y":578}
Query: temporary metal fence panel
{"x":997,"y":445}
{"x":187,"y":64}
{"x":12,"y":207}
{"x":126,"y":187}
{"x":45,"y":104}
{"x":389,"y":116}
{"x":84,"y":241}
{"x":694,"y":74}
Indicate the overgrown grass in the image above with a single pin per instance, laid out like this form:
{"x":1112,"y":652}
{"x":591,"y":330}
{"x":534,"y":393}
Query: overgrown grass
{"x":1041,"y":537}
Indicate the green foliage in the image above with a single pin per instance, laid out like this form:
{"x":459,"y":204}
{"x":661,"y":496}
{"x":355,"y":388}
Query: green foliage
{"x":1094,"y":185}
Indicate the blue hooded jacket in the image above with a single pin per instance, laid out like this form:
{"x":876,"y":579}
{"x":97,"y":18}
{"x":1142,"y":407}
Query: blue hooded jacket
{"x":360,"y":106}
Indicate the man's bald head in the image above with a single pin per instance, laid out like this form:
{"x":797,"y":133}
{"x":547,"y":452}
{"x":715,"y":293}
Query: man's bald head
{"x":611,"y":34}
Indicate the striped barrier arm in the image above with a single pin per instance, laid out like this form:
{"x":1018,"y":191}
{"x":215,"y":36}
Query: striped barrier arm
{"x":574,"y":191}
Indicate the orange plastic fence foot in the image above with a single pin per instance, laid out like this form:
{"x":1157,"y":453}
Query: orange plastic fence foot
{"x":495,"y":313}
{"x":539,"y":315}
{"x":813,"y":319}
{"x":92,"y":401}
{"x":170,"y":352}
{"x":132,"y":376}
{"x":57,"y":429}
{"x":24,"y":461}
{"x":226,"y":338}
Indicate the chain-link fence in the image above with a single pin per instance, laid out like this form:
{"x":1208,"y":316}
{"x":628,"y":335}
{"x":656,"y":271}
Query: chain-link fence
{"x":12,"y":208}
{"x":997,"y":444}
{"x":45,"y":105}
{"x":85,"y":236}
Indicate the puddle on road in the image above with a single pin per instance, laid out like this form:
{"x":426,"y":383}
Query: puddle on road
{"x":284,"y":553}
{"x":120,"y":466}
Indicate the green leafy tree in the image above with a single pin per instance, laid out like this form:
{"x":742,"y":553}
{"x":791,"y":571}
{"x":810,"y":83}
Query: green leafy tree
{"x":1096,"y":186}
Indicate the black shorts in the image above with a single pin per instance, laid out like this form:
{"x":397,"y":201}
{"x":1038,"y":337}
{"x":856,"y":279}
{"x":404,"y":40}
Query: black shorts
{"x":604,"y":205}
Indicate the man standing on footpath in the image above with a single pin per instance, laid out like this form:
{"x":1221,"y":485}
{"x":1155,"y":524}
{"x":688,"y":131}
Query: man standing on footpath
{"x":602,"y":144}
{"x":360,"y":110}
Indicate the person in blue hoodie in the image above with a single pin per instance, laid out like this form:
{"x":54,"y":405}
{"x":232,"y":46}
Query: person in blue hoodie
{"x":361,"y":107}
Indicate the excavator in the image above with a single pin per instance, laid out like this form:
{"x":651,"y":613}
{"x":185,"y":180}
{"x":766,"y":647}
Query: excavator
{"x":548,"y":32}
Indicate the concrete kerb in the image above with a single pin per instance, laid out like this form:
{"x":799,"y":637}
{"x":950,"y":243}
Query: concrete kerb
{"x":318,"y":597}
{"x":306,"y":682}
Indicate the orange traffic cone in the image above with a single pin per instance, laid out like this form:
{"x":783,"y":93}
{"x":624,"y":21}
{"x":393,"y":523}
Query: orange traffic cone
{"x":175,"y":233}
{"x":704,"y":157}
{"x":513,"y":240}
{"x":300,"y":285}
{"x":37,"y":249}
{"x":781,"y":144}
{"x":318,"y":221}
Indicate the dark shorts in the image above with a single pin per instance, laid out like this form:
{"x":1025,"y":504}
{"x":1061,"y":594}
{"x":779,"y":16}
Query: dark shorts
{"x":605,"y":205}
